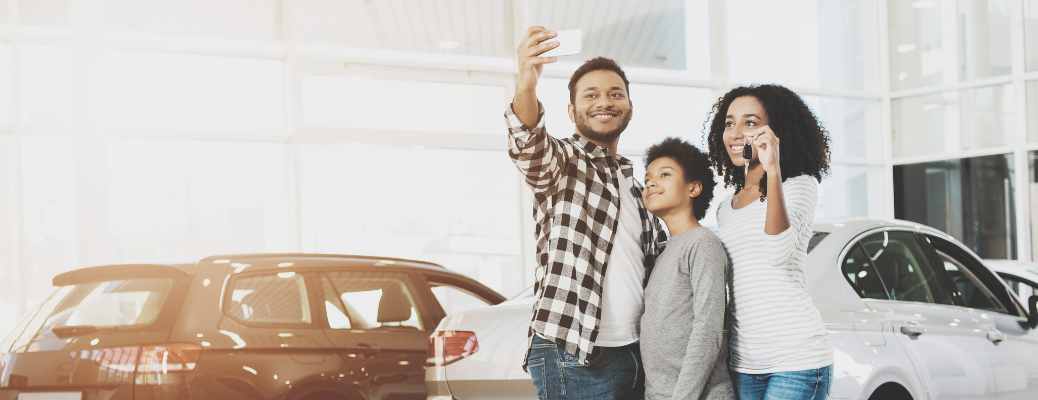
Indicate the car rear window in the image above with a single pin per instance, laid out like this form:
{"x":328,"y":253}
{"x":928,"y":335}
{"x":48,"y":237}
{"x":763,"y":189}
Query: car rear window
{"x":116,"y":303}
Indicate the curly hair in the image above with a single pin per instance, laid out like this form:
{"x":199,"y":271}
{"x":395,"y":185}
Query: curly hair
{"x":596,"y":64}
{"x":695,"y":166}
{"x":804,"y":149}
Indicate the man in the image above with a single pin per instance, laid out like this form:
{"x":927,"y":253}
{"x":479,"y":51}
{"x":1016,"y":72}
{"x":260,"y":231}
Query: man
{"x":596,"y":243}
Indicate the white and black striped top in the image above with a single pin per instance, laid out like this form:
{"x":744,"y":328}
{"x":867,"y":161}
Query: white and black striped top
{"x":775,"y":325}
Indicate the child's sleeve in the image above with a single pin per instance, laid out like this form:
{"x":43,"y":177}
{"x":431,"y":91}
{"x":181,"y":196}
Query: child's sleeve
{"x":708,"y":263}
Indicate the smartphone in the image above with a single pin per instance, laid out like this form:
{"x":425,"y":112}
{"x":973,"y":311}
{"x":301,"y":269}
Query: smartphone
{"x":569,"y":44}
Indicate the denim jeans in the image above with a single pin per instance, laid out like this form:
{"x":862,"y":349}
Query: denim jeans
{"x":612,"y":373}
{"x":812,"y":384}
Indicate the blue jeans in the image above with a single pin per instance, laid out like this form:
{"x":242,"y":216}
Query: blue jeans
{"x":811,"y":384}
{"x":612,"y":373}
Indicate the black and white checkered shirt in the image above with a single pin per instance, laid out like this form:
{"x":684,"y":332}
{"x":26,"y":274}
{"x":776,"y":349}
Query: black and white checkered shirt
{"x":577,"y":208}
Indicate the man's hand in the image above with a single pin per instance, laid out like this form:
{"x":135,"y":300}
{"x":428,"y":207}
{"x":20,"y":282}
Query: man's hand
{"x":530,"y":66}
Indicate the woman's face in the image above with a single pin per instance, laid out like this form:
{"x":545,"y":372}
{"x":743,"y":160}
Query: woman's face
{"x":744,"y":116}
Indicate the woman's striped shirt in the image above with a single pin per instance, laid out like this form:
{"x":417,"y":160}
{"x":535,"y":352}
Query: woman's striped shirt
{"x":775,"y":325}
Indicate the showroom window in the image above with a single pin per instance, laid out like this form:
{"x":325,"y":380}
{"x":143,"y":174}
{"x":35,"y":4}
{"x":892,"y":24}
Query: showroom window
{"x":971,"y":199}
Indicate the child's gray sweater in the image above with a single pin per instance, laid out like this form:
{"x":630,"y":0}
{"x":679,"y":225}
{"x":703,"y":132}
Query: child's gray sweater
{"x":684,"y":341}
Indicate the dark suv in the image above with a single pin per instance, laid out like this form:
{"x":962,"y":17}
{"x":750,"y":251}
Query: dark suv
{"x":261,"y":326}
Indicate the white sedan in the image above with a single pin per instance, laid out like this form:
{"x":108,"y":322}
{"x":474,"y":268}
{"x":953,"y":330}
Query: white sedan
{"x":911,"y":312}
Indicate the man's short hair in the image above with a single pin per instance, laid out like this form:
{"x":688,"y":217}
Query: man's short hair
{"x":695,"y":165}
{"x":596,"y":64}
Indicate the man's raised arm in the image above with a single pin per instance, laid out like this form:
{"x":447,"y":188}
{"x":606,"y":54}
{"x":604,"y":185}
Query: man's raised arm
{"x":537,"y":155}
{"x":524,"y":104}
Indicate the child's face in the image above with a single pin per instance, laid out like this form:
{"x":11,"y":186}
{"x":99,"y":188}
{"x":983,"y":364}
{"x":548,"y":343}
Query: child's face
{"x":665,"y":188}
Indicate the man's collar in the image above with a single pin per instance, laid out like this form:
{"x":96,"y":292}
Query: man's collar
{"x":587,"y":145}
{"x":596,"y":150}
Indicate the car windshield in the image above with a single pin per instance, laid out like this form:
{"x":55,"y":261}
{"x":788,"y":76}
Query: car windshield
{"x":110,"y":304}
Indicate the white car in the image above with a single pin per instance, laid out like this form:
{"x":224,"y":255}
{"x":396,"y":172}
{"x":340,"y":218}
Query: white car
{"x":911,"y":313}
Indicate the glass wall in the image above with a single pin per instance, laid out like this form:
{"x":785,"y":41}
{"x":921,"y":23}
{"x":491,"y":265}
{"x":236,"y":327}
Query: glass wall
{"x":836,"y":43}
{"x":945,"y":42}
{"x":955,"y":146}
{"x":1031,"y":34}
{"x":952,"y":121}
{"x":971,"y":199}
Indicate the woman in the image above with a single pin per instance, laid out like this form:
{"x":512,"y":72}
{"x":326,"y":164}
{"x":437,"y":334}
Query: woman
{"x":779,"y":347}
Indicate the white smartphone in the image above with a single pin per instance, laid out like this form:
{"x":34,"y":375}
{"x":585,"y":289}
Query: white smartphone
{"x":569,"y":44}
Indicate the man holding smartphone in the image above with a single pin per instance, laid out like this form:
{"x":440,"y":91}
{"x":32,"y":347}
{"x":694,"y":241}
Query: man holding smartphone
{"x":596,"y":243}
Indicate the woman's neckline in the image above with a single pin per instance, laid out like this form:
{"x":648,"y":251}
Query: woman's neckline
{"x":732,"y":204}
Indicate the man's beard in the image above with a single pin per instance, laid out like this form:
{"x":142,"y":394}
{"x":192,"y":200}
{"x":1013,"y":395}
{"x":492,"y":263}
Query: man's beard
{"x":585,"y":130}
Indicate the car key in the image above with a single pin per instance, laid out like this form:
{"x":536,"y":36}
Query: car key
{"x":747,"y":151}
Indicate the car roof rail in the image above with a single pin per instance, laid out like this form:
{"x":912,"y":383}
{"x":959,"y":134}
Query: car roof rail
{"x":318,"y":256}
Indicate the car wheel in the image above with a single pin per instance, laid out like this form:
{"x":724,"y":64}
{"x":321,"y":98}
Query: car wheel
{"x":890,"y":391}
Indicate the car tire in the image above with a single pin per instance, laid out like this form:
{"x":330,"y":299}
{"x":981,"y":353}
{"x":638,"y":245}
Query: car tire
{"x":890,"y":391}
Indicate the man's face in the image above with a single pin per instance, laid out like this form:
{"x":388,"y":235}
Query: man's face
{"x":602,"y":108}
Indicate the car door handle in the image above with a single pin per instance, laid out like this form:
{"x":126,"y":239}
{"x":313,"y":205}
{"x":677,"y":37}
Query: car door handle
{"x":996,"y":336}
{"x":367,"y":349}
{"x":913,"y":329}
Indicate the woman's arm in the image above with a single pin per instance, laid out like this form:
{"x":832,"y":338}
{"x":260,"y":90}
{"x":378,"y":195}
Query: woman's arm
{"x":789,"y":214}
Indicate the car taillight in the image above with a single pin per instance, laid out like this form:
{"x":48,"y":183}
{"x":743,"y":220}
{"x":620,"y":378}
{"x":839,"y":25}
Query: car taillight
{"x":446,"y":347}
{"x":175,"y":357}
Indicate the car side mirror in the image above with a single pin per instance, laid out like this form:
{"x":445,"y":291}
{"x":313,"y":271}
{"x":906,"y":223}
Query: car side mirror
{"x":1032,"y":316}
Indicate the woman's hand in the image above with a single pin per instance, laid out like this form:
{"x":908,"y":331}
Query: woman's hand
{"x":766,"y":144}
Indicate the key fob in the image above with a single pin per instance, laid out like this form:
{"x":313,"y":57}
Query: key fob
{"x":747,"y":152}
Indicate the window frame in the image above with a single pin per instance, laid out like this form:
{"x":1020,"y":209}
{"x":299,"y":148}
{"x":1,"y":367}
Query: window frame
{"x":875,"y":270}
{"x":1028,"y":282}
{"x":987,"y":277}
{"x":309,"y":285}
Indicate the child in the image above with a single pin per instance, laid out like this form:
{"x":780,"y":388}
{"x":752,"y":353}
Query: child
{"x":684,"y":342}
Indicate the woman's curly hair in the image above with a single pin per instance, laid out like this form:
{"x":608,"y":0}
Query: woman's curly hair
{"x":695,"y":166}
{"x":804,"y":148}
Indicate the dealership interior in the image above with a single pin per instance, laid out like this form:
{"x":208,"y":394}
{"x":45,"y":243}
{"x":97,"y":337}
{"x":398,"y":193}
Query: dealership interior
{"x":151,"y":130}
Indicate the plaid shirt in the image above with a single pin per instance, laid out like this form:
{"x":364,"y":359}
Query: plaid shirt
{"x":577,"y":207}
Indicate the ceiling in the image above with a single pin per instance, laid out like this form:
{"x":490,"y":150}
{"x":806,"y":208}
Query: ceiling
{"x":635,"y":33}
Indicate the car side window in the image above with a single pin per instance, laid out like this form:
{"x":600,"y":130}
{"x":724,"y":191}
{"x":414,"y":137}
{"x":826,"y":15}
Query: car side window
{"x":455,"y":300}
{"x":904,"y":267}
{"x":974,"y":293}
{"x":1023,"y":289}
{"x":862,"y":275}
{"x":370,"y":300}
{"x":275,"y":298}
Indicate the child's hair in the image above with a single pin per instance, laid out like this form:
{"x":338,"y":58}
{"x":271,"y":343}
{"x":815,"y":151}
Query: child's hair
{"x":695,"y":166}
{"x":804,"y":148}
